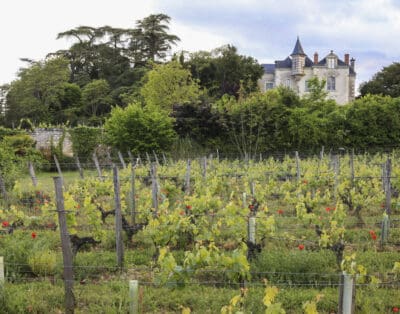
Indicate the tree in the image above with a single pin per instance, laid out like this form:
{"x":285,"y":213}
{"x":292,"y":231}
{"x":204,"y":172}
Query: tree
{"x":224,"y":71}
{"x":95,"y":99}
{"x":139,"y":129}
{"x":36,"y":92}
{"x":169,"y":84}
{"x":154,"y":37}
{"x":385,"y":82}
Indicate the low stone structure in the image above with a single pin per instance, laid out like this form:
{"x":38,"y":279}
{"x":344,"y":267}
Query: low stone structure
{"x":46,"y":137}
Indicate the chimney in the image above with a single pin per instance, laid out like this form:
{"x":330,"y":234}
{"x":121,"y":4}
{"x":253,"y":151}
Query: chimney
{"x":347,"y":59}
{"x":315,"y":57}
{"x":352,"y":62}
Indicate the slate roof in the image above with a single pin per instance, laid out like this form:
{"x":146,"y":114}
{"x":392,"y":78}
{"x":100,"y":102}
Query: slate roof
{"x":287,"y":63}
{"x":268,"y":68}
{"x":298,"y":49}
{"x":339,"y":62}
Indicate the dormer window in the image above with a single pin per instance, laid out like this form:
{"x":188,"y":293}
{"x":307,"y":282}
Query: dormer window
{"x":331,"y":63}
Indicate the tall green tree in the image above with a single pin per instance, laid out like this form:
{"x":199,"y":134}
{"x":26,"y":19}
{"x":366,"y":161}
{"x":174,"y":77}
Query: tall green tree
{"x":96,"y":100}
{"x":385,"y":82}
{"x":35,"y":94}
{"x":169,"y":84}
{"x":154,"y":36}
{"x":224,"y":71}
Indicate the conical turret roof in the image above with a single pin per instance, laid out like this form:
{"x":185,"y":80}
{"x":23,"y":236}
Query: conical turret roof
{"x":298,"y":49}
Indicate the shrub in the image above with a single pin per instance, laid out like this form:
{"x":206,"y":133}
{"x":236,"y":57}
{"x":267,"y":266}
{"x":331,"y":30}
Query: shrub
{"x":85,"y":140}
{"x":139,"y":129}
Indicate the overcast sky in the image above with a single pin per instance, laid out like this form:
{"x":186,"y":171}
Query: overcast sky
{"x":265,"y":29}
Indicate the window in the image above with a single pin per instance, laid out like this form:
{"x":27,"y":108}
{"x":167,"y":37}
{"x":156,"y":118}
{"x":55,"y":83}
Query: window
{"x":331,"y":83}
{"x":287,"y":83}
{"x":269,"y":85}
{"x":331,"y":63}
{"x":307,"y":86}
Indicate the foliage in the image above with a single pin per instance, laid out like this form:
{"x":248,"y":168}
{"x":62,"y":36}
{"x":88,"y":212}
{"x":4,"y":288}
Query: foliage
{"x":85,"y":140}
{"x":43,"y":263}
{"x":95,"y":98}
{"x":139,"y":129}
{"x":169,"y":84}
{"x":385,"y":82}
{"x":36,"y":92}
{"x":224,"y":71}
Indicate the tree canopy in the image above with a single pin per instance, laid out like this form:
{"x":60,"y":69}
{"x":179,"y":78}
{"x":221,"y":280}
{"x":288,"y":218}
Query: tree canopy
{"x":385,"y":82}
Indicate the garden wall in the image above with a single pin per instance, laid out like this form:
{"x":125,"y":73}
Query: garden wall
{"x":45,"y":137}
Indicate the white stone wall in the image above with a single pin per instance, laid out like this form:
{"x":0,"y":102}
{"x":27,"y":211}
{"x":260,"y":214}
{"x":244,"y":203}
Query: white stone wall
{"x":44,"y":138}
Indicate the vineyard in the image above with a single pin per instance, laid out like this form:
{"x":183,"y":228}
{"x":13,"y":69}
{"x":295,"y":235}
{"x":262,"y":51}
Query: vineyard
{"x":279,"y":234}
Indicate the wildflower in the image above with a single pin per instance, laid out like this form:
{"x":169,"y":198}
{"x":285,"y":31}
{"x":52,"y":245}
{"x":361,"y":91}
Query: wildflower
{"x":305,"y":181}
{"x":280,"y":211}
{"x":328,"y":209}
{"x":373,"y":234}
{"x":33,"y":235}
{"x":395,"y":309}
{"x":182,"y":213}
{"x":5,"y":224}
{"x":189,"y":207}
{"x":251,"y":206}
{"x":301,"y":247}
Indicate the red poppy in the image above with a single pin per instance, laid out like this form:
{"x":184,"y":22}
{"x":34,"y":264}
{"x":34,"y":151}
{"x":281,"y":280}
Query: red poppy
{"x":373,"y":234}
{"x":189,"y":207}
{"x":5,"y":224}
{"x":395,"y":309}
{"x":33,"y":235}
{"x":301,"y":247}
{"x":328,"y":209}
{"x":280,"y":211}
{"x":182,"y":213}
{"x":305,"y":181}
{"x":251,"y":206}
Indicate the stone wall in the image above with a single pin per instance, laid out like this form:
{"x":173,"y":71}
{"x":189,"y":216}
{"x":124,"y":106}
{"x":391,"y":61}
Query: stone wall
{"x":44,"y":138}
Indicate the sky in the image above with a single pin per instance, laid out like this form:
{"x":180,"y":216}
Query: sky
{"x":265,"y":29}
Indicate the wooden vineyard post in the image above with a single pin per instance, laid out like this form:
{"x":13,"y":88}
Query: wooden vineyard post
{"x":58,"y":168}
{"x":346,"y":294}
{"x":321,"y":153}
{"x":388,"y":186}
{"x":132,"y":192}
{"x":187,"y":177}
{"x":66,"y":248}
{"x":154,"y":189}
{"x":156,"y":158}
{"x":133,"y":297}
{"x":298,"y":174}
{"x":96,"y":163}
{"x":121,"y":159}
{"x":244,"y":199}
{"x":352,"y":167}
{"x":32,"y":174}
{"x":217,"y":155}
{"x":252,"y":188}
{"x":78,"y":165}
{"x":1,"y":276}
{"x":385,"y":229}
{"x":204,"y":168}
{"x":148,"y":158}
{"x":164,"y":159}
{"x":118,"y":219}
{"x":1,"y":272}
{"x":336,"y":171}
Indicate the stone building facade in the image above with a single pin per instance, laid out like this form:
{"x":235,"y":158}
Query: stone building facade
{"x":295,"y":71}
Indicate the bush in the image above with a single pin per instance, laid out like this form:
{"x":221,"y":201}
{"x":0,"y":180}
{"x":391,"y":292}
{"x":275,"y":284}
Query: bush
{"x":85,"y":140}
{"x":139,"y":129}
